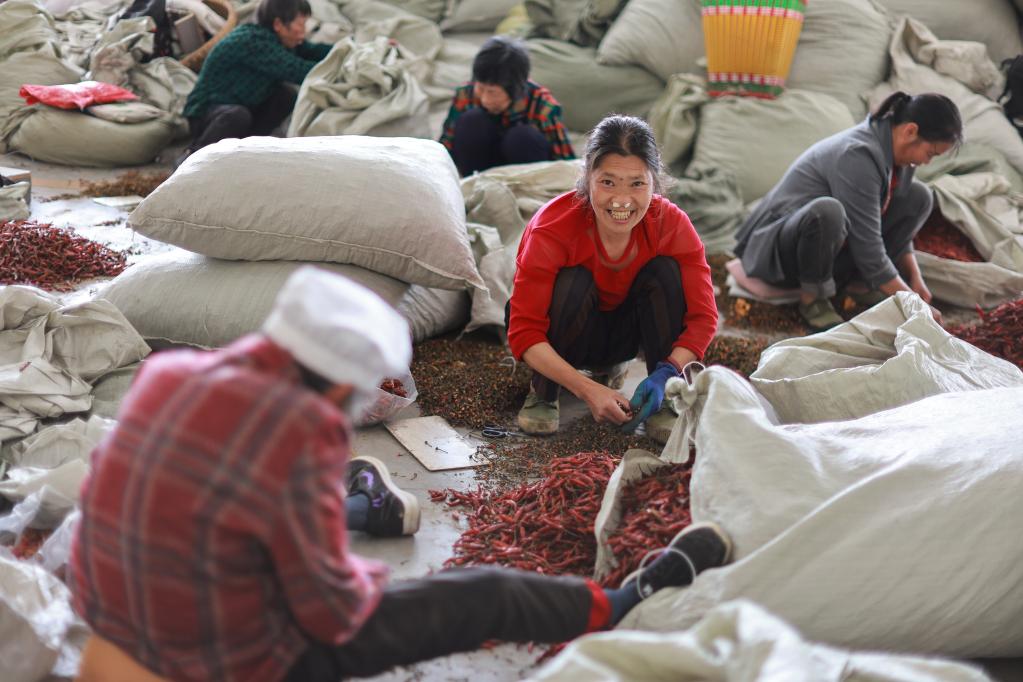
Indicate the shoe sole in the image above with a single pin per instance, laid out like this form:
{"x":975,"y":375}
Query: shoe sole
{"x":410,"y":521}
{"x":689,"y":529}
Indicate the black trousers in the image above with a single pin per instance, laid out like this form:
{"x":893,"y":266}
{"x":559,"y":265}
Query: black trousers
{"x":650,"y":318}
{"x":812,"y":241}
{"x":481,"y":143}
{"x":450,"y":612}
{"x":222,"y":121}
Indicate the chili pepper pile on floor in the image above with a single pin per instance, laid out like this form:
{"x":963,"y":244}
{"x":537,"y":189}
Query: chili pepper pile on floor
{"x":654,"y":510}
{"x":735,"y":352}
{"x":545,"y":526}
{"x":126,"y":184}
{"x":941,"y":238}
{"x":999,"y":332}
{"x":51,"y":258}
{"x":469,"y":382}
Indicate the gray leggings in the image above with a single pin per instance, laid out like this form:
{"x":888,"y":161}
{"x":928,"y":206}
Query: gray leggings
{"x":811,"y":242}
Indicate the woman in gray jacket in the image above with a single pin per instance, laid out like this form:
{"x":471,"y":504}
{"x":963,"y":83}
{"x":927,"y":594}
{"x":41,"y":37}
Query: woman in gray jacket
{"x":847,"y":209}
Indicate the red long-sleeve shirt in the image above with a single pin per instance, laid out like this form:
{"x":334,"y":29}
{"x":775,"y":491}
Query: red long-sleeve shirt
{"x":563,"y":234}
{"x":212,"y":544}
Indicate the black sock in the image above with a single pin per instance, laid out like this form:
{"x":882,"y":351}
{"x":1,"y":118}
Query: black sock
{"x":622,"y":600}
{"x":357,"y":511}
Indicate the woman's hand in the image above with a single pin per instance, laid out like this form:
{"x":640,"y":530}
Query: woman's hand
{"x":917,"y":285}
{"x":606,"y":404}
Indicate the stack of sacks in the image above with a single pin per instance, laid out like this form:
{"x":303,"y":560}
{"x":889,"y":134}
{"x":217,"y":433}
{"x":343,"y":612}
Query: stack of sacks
{"x":107,"y":135}
{"x":387,"y":212}
{"x":459,"y":15}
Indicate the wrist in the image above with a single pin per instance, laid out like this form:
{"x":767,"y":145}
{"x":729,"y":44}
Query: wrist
{"x":675,"y":364}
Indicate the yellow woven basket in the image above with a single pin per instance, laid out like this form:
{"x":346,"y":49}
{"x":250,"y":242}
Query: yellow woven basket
{"x":750,"y":44}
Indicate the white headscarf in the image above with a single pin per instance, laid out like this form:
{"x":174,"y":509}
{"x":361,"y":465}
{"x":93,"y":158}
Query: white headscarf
{"x":340,"y":330}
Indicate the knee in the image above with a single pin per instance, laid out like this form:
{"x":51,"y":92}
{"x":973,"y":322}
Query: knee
{"x":238,"y":117}
{"x":575,"y":279}
{"x":525,"y":144}
{"x":663,"y":271}
{"x":920,"y":199}
{"x":473,"y":126}
{"x":826,"y":220}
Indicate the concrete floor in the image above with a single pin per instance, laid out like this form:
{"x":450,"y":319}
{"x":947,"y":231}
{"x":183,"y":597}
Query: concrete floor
{"x":408,"y":557}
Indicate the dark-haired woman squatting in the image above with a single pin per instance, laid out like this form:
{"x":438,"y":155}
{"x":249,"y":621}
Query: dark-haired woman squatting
{"x":241,"y":89}
{"x":603,"y":272}
{"x":846,"y":211}
{"x":502,"y":117}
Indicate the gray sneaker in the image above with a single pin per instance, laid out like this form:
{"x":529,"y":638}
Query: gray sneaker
{"x":690,"y":553}
{"x":538,"y":417}
{"x":820,"y":315}
{"x":659,"y":424}
{"x":393,"y":512}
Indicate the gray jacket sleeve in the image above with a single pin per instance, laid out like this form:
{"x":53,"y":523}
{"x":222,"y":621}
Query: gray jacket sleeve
{"x":858,"y":183}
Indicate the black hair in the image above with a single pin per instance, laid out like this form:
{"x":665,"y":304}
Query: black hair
{"x":936,"y":117}
{"x":505,"y":62}
{"x":314,"y":381}
{"x":625,"y":136}
{"x":285,"y":10}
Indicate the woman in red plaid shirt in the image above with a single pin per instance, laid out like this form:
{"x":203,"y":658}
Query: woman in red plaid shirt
{"x":501,"y":116}
{"x":213,"y":540}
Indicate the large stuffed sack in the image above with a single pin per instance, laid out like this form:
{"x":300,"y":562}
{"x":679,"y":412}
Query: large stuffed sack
{"x":428,"y":9}
{"x":736,"y":642}
{"x":841,"y":49}
{"x":912,"y":51}
{"x":42,"y":66}
{"x":362,"y":89}
{"x":663,"y":36}
{"x":391,"y":205}
{"x":893,"y":354}
{"x":991,"y":22}
{"x":893,"y":530}
{"x":587,"y":90}
{"x":757,"y":140}
{"x":14,"y":200}
{"x":78,"y":139}
{"x":986,"y":209}
{"x":476,"y":15}
{"x":24,"y":26}
{"x":217,"y":301}
{"x":583,"y":22}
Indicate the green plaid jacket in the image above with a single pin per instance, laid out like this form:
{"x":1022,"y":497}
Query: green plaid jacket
{"x":246,"y":65}
{"x":537,"y":106}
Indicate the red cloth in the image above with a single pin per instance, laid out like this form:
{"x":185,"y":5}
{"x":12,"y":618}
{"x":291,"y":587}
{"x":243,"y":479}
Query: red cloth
{"x":212,"y":542}
{"x":75,"y":95}
{"x":600,"y":608}
{"x":563,"y":234}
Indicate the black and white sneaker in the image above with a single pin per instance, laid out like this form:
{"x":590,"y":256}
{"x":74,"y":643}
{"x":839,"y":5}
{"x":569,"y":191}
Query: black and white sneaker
{"x":393,"y":512}
{"x":691,"y":552}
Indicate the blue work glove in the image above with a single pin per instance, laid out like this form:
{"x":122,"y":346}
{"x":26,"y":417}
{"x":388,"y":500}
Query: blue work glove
{"x":649,"y":394}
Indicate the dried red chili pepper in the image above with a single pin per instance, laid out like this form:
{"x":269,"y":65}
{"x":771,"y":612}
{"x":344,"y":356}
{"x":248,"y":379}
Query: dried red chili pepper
{"x":941,"y":238}
{"x":395,"y":387}
{"x":41,"y":255}
{"x":999,"y":332}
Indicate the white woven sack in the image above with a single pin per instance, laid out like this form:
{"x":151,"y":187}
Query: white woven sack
{"x":218,"y":301}
{"x":391,"y":205}
{"x":662,"y":36}
{"x":895,"y":531}
{"x":476,"y":15}
{"x":893,"y":354}
{"x":758,"y":139}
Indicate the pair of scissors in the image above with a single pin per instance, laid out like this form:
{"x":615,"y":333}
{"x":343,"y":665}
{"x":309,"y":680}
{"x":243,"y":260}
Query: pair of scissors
{"x":494,"y":431}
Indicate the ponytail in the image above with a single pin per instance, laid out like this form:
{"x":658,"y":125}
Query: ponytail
{"x":936,"y":117}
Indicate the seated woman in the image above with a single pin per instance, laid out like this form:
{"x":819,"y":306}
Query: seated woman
{"x":501,"y":116}
{"x":846,"y":211}
{"x":241,"y":89}
{"x":604,"y":271}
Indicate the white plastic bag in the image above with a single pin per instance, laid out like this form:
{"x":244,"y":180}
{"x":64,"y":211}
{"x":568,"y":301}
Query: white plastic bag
{"x":387,"y":405}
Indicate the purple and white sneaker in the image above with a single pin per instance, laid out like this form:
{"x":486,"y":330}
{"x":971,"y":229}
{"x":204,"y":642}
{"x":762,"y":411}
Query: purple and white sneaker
{"x":392,"y":511}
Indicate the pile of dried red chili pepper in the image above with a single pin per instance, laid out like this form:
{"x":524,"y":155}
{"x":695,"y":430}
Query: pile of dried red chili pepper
{"x":30,"y":542}
{"x":547,"y":526}
{"x":941,"y":238}
{"x":51,"y":258}
{"x":999,"y":332}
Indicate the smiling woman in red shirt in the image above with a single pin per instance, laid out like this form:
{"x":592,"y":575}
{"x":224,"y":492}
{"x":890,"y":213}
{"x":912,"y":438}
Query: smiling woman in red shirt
{"x":602,"y":272}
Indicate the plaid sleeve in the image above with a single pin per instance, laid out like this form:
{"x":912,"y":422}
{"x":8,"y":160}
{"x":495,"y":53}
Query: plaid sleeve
{"x":272,"y":59}
{"x":330,"y":591}
{"x":313,"y":51}
{"x":460,"y":103}
{"x":546,"y":114}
